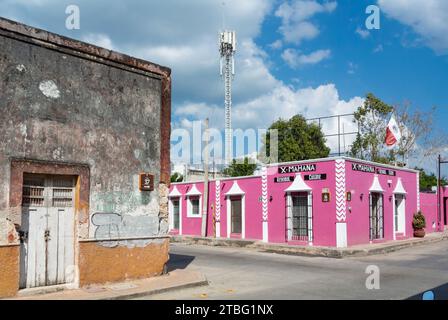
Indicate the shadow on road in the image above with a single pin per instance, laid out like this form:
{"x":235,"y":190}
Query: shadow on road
{"x":179,"y":261}
{"x":438,"y":293}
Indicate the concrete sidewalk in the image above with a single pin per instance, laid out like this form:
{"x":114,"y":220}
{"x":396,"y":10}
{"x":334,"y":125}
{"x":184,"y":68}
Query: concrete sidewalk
{"x":176,"y":280}
{"x":329,"y":252}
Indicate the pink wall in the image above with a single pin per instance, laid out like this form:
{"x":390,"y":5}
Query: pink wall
{"x":190,"y":226}
{"x":445,"y":206}
{"x":358,"y":224}
{"x":428,"y":205}
{"x":253,"y":207}
{"x":429,"y":209}
{"x":324,"y":214}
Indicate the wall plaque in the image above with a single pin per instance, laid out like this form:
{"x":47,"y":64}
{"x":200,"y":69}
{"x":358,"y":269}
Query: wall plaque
{"x":146,"y":182}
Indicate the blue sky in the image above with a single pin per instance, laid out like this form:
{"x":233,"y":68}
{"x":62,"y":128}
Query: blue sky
{"x":313,"y":57}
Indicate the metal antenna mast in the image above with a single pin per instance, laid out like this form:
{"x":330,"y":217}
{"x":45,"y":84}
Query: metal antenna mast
{"x":227,"y":49}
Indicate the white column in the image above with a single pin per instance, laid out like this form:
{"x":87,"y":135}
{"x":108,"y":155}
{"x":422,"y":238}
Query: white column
{"x":180,"y":216}
{"x":218,"y":229}
{"x":341,"y":205}
{"x":264,"y":197}
{"x":341,"y":235}
{"x":229,"y":223}
{"x":218,"y":208}
{"x":394,"y":212}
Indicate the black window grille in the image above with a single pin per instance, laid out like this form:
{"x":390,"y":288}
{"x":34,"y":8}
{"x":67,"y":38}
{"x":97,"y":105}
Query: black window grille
{"x":300,"y":219}
{"x":376,"y":216}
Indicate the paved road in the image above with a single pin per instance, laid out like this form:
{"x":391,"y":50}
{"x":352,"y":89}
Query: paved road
{"x":246,"y":274}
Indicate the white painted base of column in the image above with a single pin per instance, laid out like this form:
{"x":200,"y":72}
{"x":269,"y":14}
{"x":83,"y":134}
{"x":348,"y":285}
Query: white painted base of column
{"x":265,"y":232}
{"x":218,"y":229}
{"x":341,"y":235}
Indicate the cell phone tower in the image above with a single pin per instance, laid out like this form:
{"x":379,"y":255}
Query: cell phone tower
{"x":227,"y":49}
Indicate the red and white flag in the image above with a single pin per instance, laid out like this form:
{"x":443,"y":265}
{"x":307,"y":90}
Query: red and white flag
{"x":393,"y":133}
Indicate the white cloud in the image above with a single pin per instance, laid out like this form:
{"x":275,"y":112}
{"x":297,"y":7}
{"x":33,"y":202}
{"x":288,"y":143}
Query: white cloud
{"x":363,"y":33}
{"x":295,"y":15}
{"x":295,"y":58}
{"x":427,"y":18}
{"x":352,"y":67}
{"x":378,"y":49}
{"x":281,"y":102}
{"x":100,"y":40}
{"x":278,"y":44}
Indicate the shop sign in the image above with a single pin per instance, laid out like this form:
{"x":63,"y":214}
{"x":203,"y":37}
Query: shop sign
{"x":386,"y":172}
{"x":363,"y":168}
{"x":315,"y":177}
{"x":372,"y":169}
{"x":284,"y":179}
{"x":297,"y":168}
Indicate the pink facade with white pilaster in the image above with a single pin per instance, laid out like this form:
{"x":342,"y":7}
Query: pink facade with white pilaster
{"x":325,"y":202}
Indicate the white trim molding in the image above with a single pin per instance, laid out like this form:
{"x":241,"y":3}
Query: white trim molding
{"x":341,"y":235}
{"x":401,"y":215}
{"x":264,"y":200}
{"x":194,"y":191}
{"x":399,"y":189}
{"x":218,"y":208}
{"x":171,"y":212}
{"x":243,"y":215}
{"x":298,"y":185}
{"x":289,"y":222}
{"x":190,"y":208}
{"x":376,"y":185}
{"x":235,"y":190}
{"x":175,"y":193}
{"x":418,"y":191}
{"x":341,"y":204}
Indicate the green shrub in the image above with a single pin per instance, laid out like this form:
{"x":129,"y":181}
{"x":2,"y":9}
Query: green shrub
{"x":419,"y":221}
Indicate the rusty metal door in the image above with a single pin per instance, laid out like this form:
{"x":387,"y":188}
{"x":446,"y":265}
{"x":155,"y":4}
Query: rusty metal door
{"x":47,"y":231}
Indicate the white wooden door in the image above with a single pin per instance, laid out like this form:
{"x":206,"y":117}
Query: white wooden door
{"x":400,"y":213}
{"x":47,"y":232}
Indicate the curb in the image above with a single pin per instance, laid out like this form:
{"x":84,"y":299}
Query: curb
{"x":156,"y":291}
{"x":325,"y":252}
{"x":111,"y":295}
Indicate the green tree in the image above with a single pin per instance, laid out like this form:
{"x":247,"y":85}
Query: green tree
{"x":372,"y":120}
{"x":237,"y":169}
{"x":297,"y":140}
{"x":427,"y":181}
{"x":418,"y":139}
{"x":177,"y":177}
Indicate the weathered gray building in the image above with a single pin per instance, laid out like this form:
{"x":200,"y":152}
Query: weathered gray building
{"x":84,"y":162}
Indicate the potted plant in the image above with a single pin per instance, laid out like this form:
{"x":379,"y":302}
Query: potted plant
{"x":419,"y":224}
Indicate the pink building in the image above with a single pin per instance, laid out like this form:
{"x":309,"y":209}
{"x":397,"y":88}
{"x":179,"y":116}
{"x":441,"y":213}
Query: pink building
{"x":428,"y":203}
{"x":337,"y":202}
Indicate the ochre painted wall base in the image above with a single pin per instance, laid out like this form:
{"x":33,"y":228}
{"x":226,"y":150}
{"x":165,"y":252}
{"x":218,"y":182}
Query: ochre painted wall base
{"x":10,"y":270}
{"x":99,"y":264}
